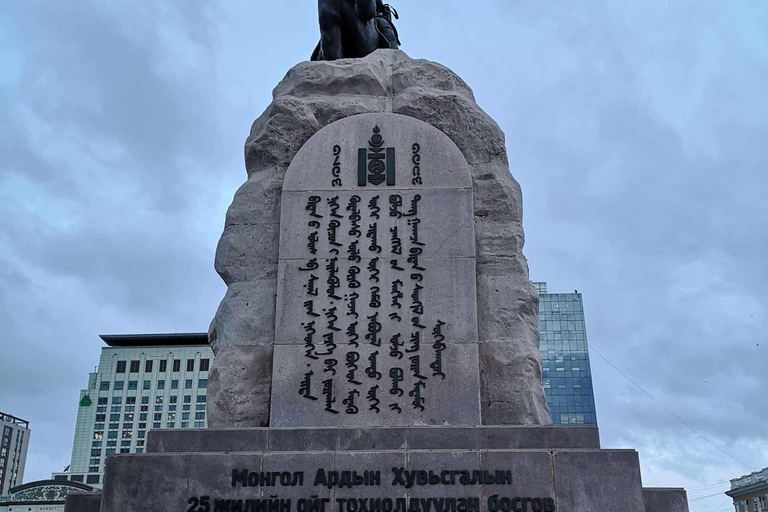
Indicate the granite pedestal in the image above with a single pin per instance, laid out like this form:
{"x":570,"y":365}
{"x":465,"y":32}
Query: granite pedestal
{"x":413,"y":469}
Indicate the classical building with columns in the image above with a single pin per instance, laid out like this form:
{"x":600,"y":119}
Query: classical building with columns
{"x":750,"y":492}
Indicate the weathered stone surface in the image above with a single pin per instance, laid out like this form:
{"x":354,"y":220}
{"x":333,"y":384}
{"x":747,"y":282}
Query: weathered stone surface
{"x":598,"y":480}
{"x":313,"y":95}
{"x":507,"y":384}
{"x":532,"y":472}
{"x":302,"y":440}
{"x":246,"y":316}
{"x":154,"y":482}
{"x":502,"y":437}
{"x":239,"y":386}
{"x":665,"y":499}
{"x":206,"y":440}
{"x":82,"y":502}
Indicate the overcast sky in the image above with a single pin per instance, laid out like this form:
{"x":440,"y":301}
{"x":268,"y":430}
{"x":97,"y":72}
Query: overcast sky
{"x":638,"y":130}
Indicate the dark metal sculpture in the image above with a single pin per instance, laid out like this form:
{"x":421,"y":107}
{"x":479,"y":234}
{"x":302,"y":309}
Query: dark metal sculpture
{"x":354,"y":28}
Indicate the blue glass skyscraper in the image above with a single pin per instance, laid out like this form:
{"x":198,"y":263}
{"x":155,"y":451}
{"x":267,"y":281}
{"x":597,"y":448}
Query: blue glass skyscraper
{"x":566,"y":375}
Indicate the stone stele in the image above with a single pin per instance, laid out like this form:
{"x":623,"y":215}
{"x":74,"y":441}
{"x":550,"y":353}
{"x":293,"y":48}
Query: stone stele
{"x":476,"y":278}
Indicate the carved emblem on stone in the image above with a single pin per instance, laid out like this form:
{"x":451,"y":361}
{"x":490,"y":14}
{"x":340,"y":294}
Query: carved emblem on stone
{"x":376,"y":163}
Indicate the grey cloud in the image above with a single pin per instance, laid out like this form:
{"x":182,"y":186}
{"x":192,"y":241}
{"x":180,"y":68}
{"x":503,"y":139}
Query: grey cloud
{"x":636,"y":131}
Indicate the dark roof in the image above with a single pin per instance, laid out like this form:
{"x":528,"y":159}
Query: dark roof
{"x":154,"y":340}
{"x":747,"y":489}
{"x":43,"y":483}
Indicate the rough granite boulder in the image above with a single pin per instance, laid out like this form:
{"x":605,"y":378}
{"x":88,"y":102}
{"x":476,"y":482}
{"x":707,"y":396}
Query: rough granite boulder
{"x":311,"y":96}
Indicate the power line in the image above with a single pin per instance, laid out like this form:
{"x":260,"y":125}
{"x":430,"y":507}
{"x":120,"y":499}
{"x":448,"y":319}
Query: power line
{"x":721,"y":505}
{"x":707,"y":486}
{"x":704,"y":490}
{"x":699,"y":498}
{"x":678,"y":418}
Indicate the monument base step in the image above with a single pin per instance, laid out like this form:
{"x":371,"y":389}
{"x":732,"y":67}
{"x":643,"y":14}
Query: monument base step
{"x":413,"y":469}
{"x":233,"y":440}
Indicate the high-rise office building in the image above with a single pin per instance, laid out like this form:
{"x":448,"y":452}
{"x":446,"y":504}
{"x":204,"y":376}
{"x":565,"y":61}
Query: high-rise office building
{"x":566,"y":374}
{"x":14,"y":441}
{"x":143,"y":382}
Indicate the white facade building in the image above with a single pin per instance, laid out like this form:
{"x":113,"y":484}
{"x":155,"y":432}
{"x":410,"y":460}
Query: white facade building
{"x":14,"y":441}
{"x":143,"y":382}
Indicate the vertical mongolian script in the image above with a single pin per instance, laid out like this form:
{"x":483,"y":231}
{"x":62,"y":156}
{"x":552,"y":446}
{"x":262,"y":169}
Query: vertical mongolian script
{"x":377,"y":285}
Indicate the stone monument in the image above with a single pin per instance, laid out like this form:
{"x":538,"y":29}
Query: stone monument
{"x":377,"y":347}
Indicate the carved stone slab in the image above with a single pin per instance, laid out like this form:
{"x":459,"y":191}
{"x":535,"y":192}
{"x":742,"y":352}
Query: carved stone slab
{"x":376,"y":317}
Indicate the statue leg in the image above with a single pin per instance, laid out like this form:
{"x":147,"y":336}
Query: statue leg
{"x":330,"y":42}
{"x":387,"y":37}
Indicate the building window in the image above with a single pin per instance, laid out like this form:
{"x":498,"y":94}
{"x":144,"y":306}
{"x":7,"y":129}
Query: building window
{"x":163,"y":366}
{"x":187,"y":399}
{"x":135,"y":366}
{"x":93,"y":469}
{"x":101,"y":418}
{"x":125,"y":450}
{"x":143,"y":416}
{"x":60,"y":477}
{"x":161,"y":384}
{"x":77,"y":478}
{"x":131,"y":400}
{"x":188,"y":384}
{"x":199,"y":424}
{"x":158,"y":399}
{"x":156,"y":425}
{"x":170,"y":424}
{"x":112,"y":435}
{"x":141,"y":434}
{"x":158,"y":416}
{"x":147,"y":384}
{"x":145,"y":399}
{"x":184,"y":424}
{"x":202,"y":383}
{"x":120,"y":367}
{"x":119,"y":385}
{"x":148,"y":366}
{"x":185,"y":416}
{"x":177,"y":365}
{"x":111,"y":451}
{"x":205,"y":365}
{"x":175,"y":384}
{"x":190,"y":365}
{"x":92,"y":479}
{"x":105,"y":386}
{"x":172,"y":399}
{"x":133,"y":385}
{"x":114,"y":417}
{"x":98,"y":435}
{"x":103,"y":400}
{"x":199,"y":415}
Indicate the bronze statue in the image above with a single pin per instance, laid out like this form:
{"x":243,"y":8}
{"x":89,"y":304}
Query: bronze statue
{"x":354,"y":28}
